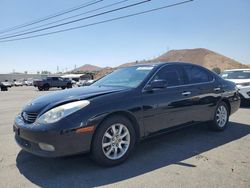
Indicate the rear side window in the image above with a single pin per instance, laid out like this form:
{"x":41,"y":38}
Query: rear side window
{"x":197,"y":75}
{"x":172,"y":74}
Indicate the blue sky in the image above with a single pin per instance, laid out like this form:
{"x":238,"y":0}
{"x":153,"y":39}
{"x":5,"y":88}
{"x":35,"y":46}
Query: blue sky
{"x":219,"y":25}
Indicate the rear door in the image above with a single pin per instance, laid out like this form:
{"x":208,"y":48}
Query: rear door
{"x":166,"y":107}
{"x":204,"y":92}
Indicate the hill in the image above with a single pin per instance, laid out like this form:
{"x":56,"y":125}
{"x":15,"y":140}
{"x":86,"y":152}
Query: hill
{"x":199,"y":56}
{"x":87,"y":68}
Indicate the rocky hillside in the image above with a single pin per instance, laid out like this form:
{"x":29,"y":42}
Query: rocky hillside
{"x":199,"y":56}
{"x":203,"y":57}
{"x":87,"y":68}
{"x":103,"y":72}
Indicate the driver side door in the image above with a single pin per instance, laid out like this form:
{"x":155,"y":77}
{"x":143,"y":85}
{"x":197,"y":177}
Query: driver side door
{"x":166,"y":107}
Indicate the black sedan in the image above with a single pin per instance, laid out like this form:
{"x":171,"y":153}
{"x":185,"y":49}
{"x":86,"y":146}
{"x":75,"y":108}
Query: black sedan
{"x":128,"y":105}
{"x":3,"y":87}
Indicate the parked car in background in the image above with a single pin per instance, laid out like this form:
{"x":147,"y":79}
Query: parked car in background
{"x":3,"y":87}
{"x":7,"y":84}
{"x":28,"y":82}
{"x":50,"y":82}
{"x":130,"y":104}
{"x":241,"y":77}
{"x":80,"y":83}
{"x":85,"y":83}
{"x":18,"y":83}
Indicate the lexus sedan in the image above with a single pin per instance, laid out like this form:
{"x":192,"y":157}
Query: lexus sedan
{"x":126,"y":106}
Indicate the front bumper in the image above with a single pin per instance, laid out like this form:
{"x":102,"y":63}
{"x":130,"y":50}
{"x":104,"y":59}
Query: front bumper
{"x":64,"y":143}
{"x":245,"y":92}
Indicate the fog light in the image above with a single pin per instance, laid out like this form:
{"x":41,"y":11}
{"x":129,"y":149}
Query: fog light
{"x":46,"y":147}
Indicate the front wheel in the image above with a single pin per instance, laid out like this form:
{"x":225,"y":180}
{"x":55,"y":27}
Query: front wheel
{"x":221,"y":117}
{"x":69,"y":85}
{"x":113,"y":141}
{"x":46,"y":87}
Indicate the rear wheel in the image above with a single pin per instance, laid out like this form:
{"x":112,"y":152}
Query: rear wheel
{"x":113,"y":141}
{"x":40,"y":88}
{"x":221,"y":117}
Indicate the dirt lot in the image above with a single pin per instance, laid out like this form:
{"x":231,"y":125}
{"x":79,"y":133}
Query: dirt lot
{"x":192,"y":157}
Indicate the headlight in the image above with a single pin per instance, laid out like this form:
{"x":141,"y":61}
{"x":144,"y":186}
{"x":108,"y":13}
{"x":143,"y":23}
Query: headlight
{"x":57,"y":113}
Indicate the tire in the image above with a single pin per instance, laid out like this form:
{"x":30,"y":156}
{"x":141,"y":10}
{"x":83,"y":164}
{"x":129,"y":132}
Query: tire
{"x":46,"y":87}
{"x":40,"y":88}
{"x":69,"y":85}
{"x":221,"y":117}
{"x":105,"y":155}
{"x":63,"y":87}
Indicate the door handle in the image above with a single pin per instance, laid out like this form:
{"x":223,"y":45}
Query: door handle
{"x":217,"y":89}
{"x":186,"y":93}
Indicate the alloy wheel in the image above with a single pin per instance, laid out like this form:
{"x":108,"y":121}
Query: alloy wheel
{"x":116,"y":141}
{"x":221,"y":116}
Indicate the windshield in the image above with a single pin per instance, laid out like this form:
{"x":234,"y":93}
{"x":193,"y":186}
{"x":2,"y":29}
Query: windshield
{"x":236,"y":75}
{"x":125,"y":77}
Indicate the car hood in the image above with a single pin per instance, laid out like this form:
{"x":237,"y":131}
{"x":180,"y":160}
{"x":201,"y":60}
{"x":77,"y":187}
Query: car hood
{"x":45,"y":102}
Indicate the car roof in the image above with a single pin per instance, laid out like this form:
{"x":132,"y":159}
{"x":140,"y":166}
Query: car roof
{"x":159,"y":64}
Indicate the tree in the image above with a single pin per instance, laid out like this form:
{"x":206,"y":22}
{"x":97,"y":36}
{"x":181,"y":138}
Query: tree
{"x":216,"y":70}
{"x":45,"y":72}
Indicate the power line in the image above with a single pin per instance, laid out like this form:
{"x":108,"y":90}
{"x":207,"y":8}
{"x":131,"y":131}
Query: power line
{"x":74,"y":21}
{"x":101,"y":22}
{"x":67,"y":18}
{"x":87,"y":4}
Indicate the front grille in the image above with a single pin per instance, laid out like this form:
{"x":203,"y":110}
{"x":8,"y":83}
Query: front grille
{"x":29,"y":117}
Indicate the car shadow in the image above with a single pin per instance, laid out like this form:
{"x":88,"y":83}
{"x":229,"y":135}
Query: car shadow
{"x":149,"y":155}
{"x":245,"y":104}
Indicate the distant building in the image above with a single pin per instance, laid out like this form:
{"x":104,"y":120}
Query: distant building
{"x":15,"y":76}
{"x":78,"y":77}
{"x":19,"y":76}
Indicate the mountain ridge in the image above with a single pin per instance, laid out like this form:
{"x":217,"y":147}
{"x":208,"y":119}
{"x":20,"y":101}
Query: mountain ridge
{"x":199,"y":56}
{"x":87,"y":68}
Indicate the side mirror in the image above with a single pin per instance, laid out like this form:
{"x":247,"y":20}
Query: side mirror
{"x":157,"y":84}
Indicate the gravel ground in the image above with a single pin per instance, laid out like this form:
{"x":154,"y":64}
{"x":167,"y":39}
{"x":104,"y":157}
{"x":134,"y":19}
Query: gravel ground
{"x":191,"y":157}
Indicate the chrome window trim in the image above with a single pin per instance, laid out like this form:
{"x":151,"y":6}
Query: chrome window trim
{"x":193,"y":84}
{"x":143,"y":89}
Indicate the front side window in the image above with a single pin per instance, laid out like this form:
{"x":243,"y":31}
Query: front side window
{"x":172,"y":74}
{"x":125,"y":77}
{"x":55,"y":79}
{"x":196,"y":74}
